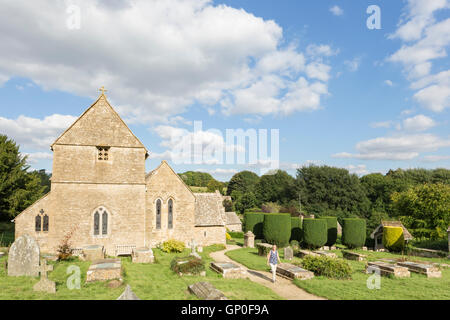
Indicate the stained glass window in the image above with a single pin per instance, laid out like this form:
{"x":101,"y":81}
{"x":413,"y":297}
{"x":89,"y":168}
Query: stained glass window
{"x":96,"y":223}
{"x":45,"y":224}
{"x":104,"y":223}
{"x":37,"y":223}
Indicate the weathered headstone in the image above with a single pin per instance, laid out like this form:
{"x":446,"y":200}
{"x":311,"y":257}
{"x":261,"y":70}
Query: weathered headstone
{"x":93,"y":253}
{"x":249,"y":240}
{"x":288,"y":253}
{"x":206,"y":291}
{"x":23,"y":258}
{"x":142,"y":255}
{"x":102,"y":270}
{"x":45,"y":285}
{"x":304,"y":253}
{"x":290,"y":271}
{"x":353,"y":256}
{"x":429,"y":270}
{"x":229,"y":270}
{"x":128,"y":294}
{"x":326,"y":254}
{"x":388,"y":269}
{"x":263,"y":248}
{"x":194,"y":253}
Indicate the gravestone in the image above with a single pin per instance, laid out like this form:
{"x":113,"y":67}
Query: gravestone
{"x":388,"y":269}
{"x":128,"y":294}
{"x":23,"y":259}
{"x":263,"y":248}
{"x":288,"y":253}
{"x":49,"y":257}
{"x":229,"y":270}
{"x":93,"y":253}
{"x":249,"y":240}
{"x":142,"y":255}
{"x":429,"y":270}
{"x":206,"y":291}
{"x":304,"y":253}
{"x":102,"y":270}
{"x":326,"y":254}
{"x":45,"y":285}
{"x":290,"y":271}
{"x":353,"y":256}
{"x":193,"y":246}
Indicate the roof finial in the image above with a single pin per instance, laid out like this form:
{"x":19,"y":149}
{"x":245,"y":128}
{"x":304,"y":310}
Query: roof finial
{"x":103,"y":90}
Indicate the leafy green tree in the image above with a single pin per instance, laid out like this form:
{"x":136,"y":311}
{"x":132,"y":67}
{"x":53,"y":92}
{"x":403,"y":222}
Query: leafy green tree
{"x":244,"y":201}
{"x":45,"y":179}
{"x":18,"y":188}
{"x":244,"y":181}
{"x":276,"y":187}
{"x":196,"y":179}
{"x":214,"y":185}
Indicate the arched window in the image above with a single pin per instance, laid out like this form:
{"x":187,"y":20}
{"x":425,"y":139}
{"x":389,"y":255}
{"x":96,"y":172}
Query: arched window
{"x":96,"y":223}
{"x":45,"y":224}
{"x":170,"y":215}
{"x":37,"y":223}
{"x":104,"y":223}
{"x":158,"y":214}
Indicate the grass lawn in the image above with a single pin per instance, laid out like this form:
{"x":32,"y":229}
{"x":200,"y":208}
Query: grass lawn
{"x":418,"y":287}
{"x":148,"y":281}
{"x":6,"y":233}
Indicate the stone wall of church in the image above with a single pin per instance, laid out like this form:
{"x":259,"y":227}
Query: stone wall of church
{"x":81,"y":164}
{"x":206,"y":236}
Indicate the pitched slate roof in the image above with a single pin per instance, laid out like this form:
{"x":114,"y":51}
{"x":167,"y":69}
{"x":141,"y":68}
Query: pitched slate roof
{"x":232,"y":218}
{"x":379,"y":229}
{"x":209,"y":210}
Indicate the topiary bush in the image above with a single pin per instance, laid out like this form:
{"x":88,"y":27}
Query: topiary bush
{"x":277,"y":229}
{"x":314,"y":232}
{"x":172,"y":246}
{"x":327,"y":267}
{"x":253,"y":221}
{"x":296,"y":229}
{"x":187,"y":265}
{"x":393,"y":238}
{"x":331,"y":230}
{"x":353,"y":232}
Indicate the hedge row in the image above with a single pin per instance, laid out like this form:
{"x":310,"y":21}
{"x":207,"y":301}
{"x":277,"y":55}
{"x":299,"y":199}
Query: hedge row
{"x":353,"y":232}
{"x":331,"y":230}
{"x":254,"y":222}
{"x":315,"y":232}
{"x":296,"y":229}
{"x":277,"y":229}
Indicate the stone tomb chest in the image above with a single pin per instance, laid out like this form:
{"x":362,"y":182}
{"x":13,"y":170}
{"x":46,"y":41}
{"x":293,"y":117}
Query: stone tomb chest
{"x":103,"y":270}
{"x":388,"y":269}
{"x":290,"y":271}
{"x":429,"y":270}
{"x":229,"y":270}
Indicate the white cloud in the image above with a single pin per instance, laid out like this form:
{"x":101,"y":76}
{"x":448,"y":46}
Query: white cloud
{"x":336,"y":10}
{"x":381,"y":124}
{"x":35,"y":133}
{"x":401,"y":147}
{"x":435,"y":158}
{"x":388,"y":83}
{"x":180,"y":53}
{"x":321,"y":50}
{"x":418,"y":123}
{"x":35,"y":157}
{"x":353,"y":65}
{"x":219,"y":171}
{"x":359,"y":169}
{"x":317,"y":70}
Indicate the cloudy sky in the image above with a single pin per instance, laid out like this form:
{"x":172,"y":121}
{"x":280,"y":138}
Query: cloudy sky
{"x":338,"y":92}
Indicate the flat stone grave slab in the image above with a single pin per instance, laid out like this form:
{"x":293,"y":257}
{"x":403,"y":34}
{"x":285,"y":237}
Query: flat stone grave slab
{"x":102,"y":270}
{"x":326,"y":254}
{"x":206,"y":291}
{"x":388,"y":269}
{"x":291,"y":271}
{"x":354,"y":256}
{"x":49,"y":257}
{"x":263,"y":248}
{"x":427,"y":269}
{"x":142,"y":255}
{"x":229,"y":270}
{"x":304,"y":253}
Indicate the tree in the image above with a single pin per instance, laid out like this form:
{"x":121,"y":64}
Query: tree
{"x":276,"y":187}
{"x":214,"y":185}
{"x":244,"y":181}
{"x":18,"y":188}
{"x":196,"y":179}
{"x":426,"y":206}
{"x":244,"y":201}
{"x":324,"y":188}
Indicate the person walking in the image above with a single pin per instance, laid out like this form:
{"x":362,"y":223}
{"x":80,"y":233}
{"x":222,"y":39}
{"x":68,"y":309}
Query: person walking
{"x":272,"y":259}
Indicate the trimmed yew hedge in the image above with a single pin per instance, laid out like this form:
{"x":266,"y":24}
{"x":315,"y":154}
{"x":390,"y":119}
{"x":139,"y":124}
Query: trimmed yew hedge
{"x":332,"y":230}
{"x":277,"y":229}
{"x":393,"y":238}
{"x":296,"y":229}
{"x":253,"y":221}
{"x":353,"y":232}
{"x":315,"y":232}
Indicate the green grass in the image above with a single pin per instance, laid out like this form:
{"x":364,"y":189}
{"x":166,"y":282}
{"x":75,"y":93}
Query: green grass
{"x":418,"y":287}
{"x":148,"y":281}
{"x":199,"y":189}
{"x":6,"y":234}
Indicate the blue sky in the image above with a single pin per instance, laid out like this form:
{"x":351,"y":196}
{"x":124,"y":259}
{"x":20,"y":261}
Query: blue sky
{"x":339,"y":93}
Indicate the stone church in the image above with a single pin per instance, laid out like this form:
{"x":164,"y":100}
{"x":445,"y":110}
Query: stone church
{"x":101,"y":194}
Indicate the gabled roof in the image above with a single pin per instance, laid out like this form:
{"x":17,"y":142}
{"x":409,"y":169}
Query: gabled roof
{"x":379,"y":229}
{"x":100,"y":103}
{"x":164,"y":162}
{"x":232,"y":218}
{"x":209,"y":210}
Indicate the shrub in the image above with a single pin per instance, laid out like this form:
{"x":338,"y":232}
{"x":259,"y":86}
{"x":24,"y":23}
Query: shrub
{"x":172,"y":246}
{"x":277,"y":229}
{"x":187,"y":265}
{"x":296,"y":229}
{"x":295,"y":245}
{"x":332,"y":230}
{"x":393,"y":238}
{"x":227,"y":235}
{"x":315,"y":232}
{"x":64,"y":250}
{"x":353,"y":232}
{"x":253,"y":221}
{"x":327,"y":267}
{"x":236,"y":235}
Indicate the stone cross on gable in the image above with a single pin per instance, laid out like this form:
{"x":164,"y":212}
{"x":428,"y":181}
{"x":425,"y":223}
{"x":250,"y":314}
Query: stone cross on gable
{"x":43,"y":268}
{"x":103,"y":90}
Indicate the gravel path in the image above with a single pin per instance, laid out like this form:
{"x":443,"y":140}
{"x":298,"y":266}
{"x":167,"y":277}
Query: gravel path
{"x":283,"y":287}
